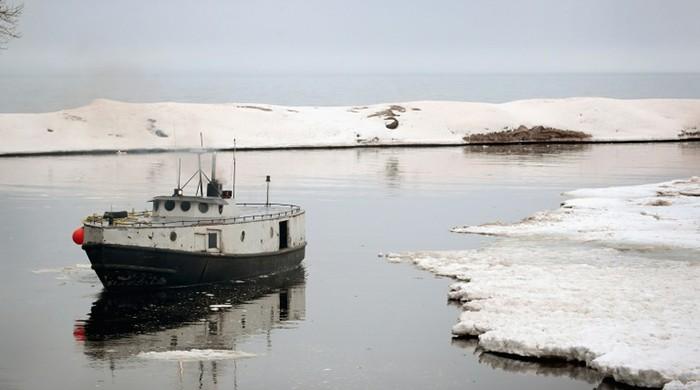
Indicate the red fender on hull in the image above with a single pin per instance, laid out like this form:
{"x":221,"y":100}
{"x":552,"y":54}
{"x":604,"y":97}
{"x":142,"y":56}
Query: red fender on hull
{"x":79,"y":235}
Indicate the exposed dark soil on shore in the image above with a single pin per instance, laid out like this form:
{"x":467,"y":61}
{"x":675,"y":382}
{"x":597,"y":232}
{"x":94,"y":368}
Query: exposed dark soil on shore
{"x":524,"y":134}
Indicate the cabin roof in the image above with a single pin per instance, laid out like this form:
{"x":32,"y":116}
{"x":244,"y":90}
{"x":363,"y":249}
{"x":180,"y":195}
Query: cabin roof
{"x":184,"y":198}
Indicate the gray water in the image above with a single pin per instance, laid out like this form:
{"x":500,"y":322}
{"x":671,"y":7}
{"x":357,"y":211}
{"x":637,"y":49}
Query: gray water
{"x":42,"y":93}
{"x":348,"y":320}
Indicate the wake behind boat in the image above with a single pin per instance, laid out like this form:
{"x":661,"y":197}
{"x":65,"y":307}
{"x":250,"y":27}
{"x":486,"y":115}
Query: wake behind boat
{"x":187,"y":240}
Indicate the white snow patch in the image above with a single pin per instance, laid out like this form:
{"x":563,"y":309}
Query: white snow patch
{"x":113,"y":125}
{"x":196,"y":355}
{"x":663,"y":214}
{"x":591,"y":283}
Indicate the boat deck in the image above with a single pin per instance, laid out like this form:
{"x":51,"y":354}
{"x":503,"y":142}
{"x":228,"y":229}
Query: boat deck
{"x":245,"y":212}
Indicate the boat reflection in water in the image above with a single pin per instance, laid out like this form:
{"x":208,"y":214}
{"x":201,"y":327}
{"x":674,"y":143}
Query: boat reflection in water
{"x":216,"y":317}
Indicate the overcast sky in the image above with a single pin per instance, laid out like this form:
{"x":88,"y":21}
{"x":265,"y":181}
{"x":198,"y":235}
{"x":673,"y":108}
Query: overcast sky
{"x":358,"y":36}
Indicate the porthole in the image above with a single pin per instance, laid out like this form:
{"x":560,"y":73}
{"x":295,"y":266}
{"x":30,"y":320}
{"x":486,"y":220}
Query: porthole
{"x":221,"y":209}
{"x":242,"y":235}
{"x":203,"y":208}
{"x":173,"y":236}
{"x":185,"y":205}
{"x":155,"y":205}
{"x":169,"y":205}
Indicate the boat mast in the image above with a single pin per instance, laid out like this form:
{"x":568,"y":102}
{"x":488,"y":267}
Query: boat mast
{"x":233,"y":186}
{"x":200,"y":188}
{"x":179,"y":172}
{"x":178,"y":189}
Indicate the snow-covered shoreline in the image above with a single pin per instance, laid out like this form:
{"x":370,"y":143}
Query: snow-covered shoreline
{"x":106,"y":125}
{"x":589,"y":282}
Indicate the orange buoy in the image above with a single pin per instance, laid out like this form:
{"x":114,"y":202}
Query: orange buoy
{"x":79,"y":235}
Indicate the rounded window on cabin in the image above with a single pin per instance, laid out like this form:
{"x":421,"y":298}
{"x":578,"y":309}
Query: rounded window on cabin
{"x":272,"y":232}
{"x":173,"y":236}
{"x":203,"y":207}
{"x":221,"y":209}
{"x":185,"y":205}
{"x":155,"y":205}
{"x":242,"y":235}
{"x":169,"y":205}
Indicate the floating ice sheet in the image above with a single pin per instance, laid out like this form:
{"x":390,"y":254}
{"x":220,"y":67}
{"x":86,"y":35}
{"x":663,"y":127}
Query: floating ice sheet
{"x":657,"y":215}
{"x":590,"y":282}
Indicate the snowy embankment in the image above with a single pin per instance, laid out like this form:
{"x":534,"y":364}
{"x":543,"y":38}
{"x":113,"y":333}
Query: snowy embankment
{"x":612,"y":279}
{"x":106,"y":125}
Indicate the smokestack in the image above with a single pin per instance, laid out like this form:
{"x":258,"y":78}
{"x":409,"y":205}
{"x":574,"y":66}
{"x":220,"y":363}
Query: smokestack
{"x":214,"y":187}
{"x":213,"y":167}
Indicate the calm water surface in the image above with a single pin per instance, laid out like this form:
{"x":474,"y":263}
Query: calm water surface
{"x":347,"y":320}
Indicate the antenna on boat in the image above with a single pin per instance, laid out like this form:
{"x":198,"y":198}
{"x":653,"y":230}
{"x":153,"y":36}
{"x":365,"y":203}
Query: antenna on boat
{"x":179,"y":172}
{"x":200,"y":188}
{"x":178,"y":189}
{"x":267,"y":198}
{"x":233,"y":186}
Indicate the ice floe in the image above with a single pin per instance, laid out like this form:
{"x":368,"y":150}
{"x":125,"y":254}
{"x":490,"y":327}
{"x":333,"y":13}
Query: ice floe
{"x":107,"y":125}
{"x":597,"y":281}
{"x":81,"y":272}
{"x":664,"y":214}
{"x":196,"y":355}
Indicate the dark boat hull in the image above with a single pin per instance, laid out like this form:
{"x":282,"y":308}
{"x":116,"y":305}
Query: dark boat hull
{"x":132,"y":268}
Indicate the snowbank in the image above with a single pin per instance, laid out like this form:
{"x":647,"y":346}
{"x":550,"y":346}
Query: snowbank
{"x":106,"y":125}
{"x":603,"y":290}
{"x":665,"y":214}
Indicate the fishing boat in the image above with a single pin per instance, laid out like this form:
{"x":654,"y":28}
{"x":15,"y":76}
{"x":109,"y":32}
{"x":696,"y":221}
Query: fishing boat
{"x":197,"y":239}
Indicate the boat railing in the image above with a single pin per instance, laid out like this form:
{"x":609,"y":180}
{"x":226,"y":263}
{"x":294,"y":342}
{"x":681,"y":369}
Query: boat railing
{"x":135,"y":219}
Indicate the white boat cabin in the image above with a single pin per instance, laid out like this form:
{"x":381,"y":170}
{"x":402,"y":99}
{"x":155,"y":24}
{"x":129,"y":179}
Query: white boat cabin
{"x":191,"y":207}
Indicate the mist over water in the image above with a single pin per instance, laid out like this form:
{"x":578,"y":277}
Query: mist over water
{"x":51,"y":93}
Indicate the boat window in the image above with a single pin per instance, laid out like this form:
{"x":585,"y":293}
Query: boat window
{"x":185,"y":205}
{"x":203,"y":207}
{"x":221,"y":209}
{"x":242,"y":235}
{"x":155,"y":205}
{"x":173,"y":236}
{"x":169,"y":205}
{"x":213,"y":240}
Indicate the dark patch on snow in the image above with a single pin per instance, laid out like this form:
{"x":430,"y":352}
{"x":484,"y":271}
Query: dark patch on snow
{"x":389,"y":112}
{"x":151,"y":127}
{"x":690,"y":132}
{"x":524,"y":134}
{"x":72,"y":117}
{"x":256,"y":108}
{"x":49,"y":130}
{"x":367,"y":141}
